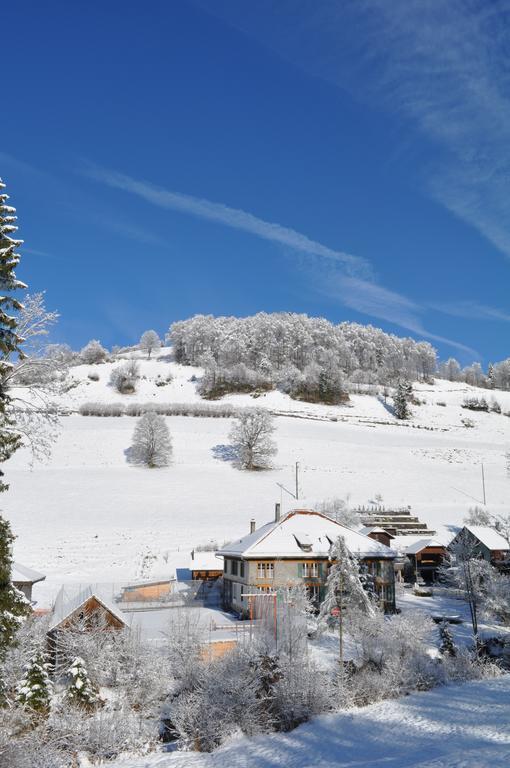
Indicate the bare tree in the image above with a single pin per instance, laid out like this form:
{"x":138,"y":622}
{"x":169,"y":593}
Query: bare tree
{"x":152,"y":444}
{"x":36,"y":378}
{"x":251,"y":437}
{"x":149,"y":341}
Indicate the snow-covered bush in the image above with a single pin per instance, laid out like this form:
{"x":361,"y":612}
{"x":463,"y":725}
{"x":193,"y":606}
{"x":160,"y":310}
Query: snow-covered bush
{"x":93,"y":376}
{"x":495,"y":406}
{"x":102,"y":409}
{"x":149,"y":341}
{"x":251,"y":438}
{"x":475,"y":404}
{"x":217,"y":382}
{"x":203,"y":410}
{"x":152,"y":444}
{"x":125,"y":376}
{"x":93,"y":352}
{"x":392,"y":656}
{"x":221,"y":702}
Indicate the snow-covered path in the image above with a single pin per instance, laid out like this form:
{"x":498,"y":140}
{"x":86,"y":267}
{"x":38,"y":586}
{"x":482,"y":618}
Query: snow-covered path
{"x":461,"y":726}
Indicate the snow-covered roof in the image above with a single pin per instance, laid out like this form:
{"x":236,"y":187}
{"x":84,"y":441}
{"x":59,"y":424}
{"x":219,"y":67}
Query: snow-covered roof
{"x":20,"y":574}
{"x":280,"y":539}
{"x":375,"y":529}
{"x":488,"y":536}
{"x":422,"y":544}
{"x":70,"y":598}
{"x":206,"y":561}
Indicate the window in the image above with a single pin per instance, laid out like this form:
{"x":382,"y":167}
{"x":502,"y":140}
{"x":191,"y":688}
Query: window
{"x":265,"y":570}
{"x":225,"y":566}
{"x":310,"y":570}
{"x":234,"y":567}
{"x":241,"y":569}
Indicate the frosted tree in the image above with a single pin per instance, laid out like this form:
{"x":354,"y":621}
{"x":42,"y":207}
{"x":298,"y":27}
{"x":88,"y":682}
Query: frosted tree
{"x":35,"y":689}
{"x":339,"y":509}
{"x":344,"y":590}
{"x":450,"y":370}
{"x":152,"y":444}
{"x":93,"y":352}
{"x":37,"y":378}
{"x":81,"y":692}
{"x":447,"y":646}
{"x":401,"y":399}
{"x":149,"y":341}
{"x":251,"y":438}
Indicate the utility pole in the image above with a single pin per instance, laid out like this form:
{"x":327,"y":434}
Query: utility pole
{"x":297,"y":479}
{"x":483,"y":486}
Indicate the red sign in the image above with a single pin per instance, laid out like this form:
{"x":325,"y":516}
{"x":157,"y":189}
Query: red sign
{"x":335,"y":611}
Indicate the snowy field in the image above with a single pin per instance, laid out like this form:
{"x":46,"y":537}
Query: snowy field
{"x":87,"y":515}
{"x":461,"y":726}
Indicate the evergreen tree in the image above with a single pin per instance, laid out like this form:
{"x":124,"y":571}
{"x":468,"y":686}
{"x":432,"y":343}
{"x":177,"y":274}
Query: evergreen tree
{"x":10,"y":341}
{"x":447,"y":646}
{"x":401,"y":399}
{"x":82,"y":692}
{"x":35,"y":689}
{"x":13,"y":605}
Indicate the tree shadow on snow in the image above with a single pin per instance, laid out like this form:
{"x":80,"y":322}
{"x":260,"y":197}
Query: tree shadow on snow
{"x":225,"y":453}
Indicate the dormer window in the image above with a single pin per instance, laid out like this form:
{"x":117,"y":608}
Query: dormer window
{"x":303,"y":541}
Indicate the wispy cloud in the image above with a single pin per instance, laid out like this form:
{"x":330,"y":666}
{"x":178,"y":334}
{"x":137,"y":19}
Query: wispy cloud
{"x":376,"y":301}
{"x":344,"y":277}
{"x":441,"y":67}
{"x":230,"y":217}
{"x":472,"y":309}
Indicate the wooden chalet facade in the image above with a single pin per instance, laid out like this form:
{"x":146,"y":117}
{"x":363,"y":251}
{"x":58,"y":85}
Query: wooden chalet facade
{"x":294,"y":549}
{"x":423,"y":560}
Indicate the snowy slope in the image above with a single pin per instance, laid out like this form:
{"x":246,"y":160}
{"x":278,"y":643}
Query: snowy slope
{"x":461,"y":726}
{"x":87,"y":515}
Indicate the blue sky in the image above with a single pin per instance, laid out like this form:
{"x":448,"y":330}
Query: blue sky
{"x":344,"y":159}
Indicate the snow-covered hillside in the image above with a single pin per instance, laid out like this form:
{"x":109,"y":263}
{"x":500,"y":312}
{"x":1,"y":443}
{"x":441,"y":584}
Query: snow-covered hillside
{"x":88,"y":515}
{"x":461,"y":726}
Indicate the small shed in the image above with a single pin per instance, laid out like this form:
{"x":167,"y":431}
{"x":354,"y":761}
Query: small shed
{"x":205,"y":566}
{"x":425,"y":557}
{"x":24,"y":578}
{"x":84,"y":610}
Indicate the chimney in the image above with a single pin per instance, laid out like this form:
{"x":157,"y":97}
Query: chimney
{"x":277,"y":512}
{"x":252,"y":526}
